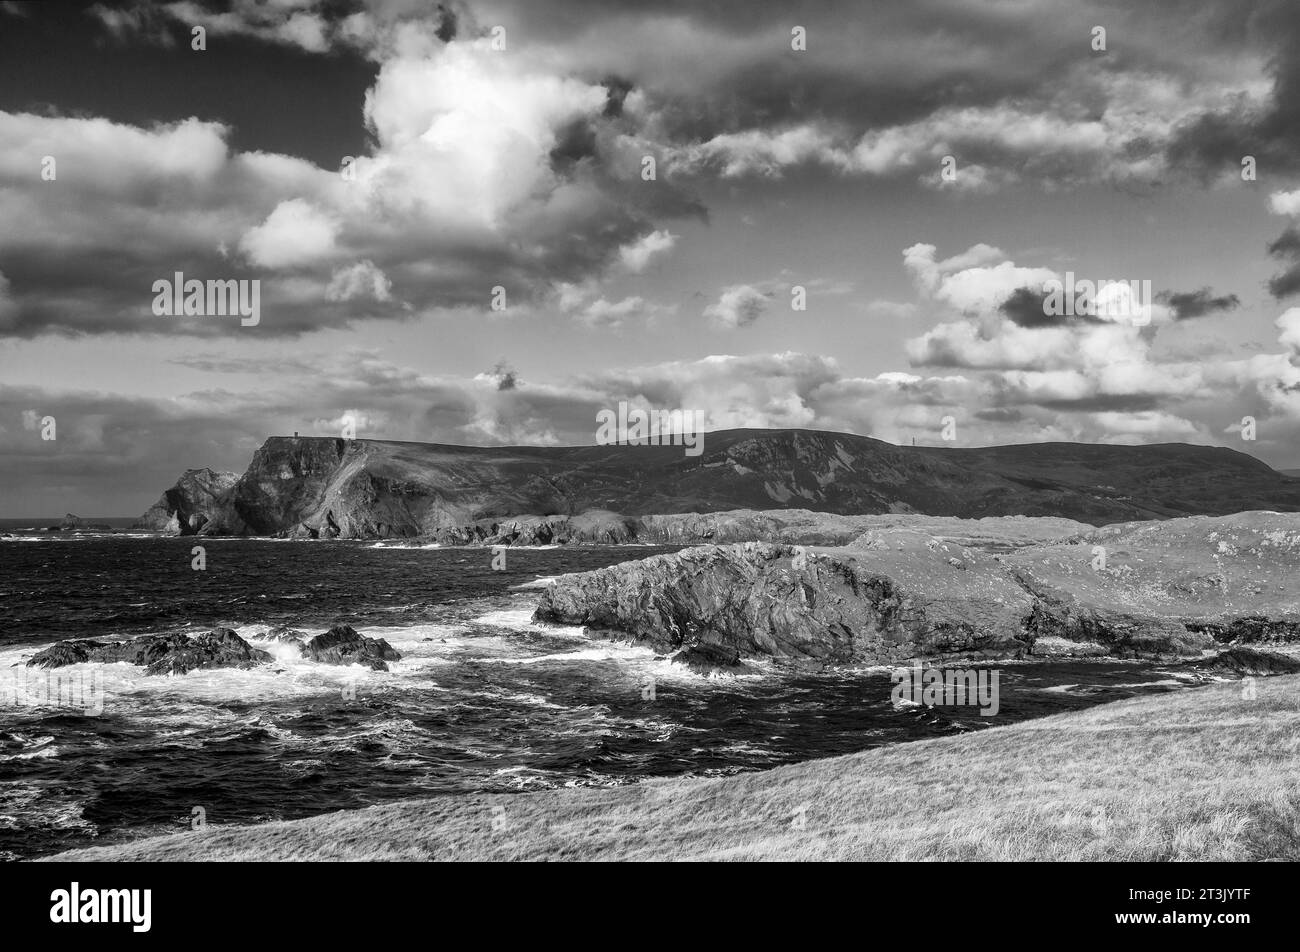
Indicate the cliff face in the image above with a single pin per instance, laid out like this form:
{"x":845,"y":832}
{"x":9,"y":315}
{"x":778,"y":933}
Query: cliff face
{"x":761,"y":599}
{"x":199,"y":504}
{"x":1166,"y":589}
{"x":319,"y":487}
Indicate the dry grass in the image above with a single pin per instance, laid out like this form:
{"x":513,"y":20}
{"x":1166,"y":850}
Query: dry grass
{"x":1199,"y":775}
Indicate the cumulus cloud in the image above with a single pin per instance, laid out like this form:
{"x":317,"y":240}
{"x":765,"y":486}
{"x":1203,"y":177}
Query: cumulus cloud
{"x":638,"y":254}
{"x":603,"y":313}
{"x":467,"y":186}
{"x":296,"y":233}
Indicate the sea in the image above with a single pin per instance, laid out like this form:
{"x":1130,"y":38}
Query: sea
{"x":484,"y":698}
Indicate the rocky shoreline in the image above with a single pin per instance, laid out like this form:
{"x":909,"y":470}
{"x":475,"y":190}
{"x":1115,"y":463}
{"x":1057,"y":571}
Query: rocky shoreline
{"x":1183,"y":589}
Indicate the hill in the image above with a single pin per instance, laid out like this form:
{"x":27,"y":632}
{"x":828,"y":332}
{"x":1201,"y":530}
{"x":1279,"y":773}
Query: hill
{"x":316,"y":486}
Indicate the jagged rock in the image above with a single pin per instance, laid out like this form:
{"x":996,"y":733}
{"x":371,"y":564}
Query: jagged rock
{"x":314,"y":487}
{"x":74,"y":523}
{"x":1242,"y":662}
{"x":219,"y":648}
{"x":287,"y":635}
{"x":160,"y":654}
{"x":707,"y":658}
{"x":343,"y":645}
{"x":62,"y":654}
{"x":900,"y":601}
{"x":199,"y":504}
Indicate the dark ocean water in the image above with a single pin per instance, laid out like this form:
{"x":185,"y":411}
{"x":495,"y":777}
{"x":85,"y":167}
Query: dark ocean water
{"x":483,"y":699}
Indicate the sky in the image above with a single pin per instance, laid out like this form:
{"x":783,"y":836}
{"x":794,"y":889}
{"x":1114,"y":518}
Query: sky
{"x":449,"y":212}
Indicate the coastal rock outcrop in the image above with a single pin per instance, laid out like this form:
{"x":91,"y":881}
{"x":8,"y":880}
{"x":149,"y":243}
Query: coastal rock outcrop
{"x":833,"y":606}
{"x":1174,"y":589}
{"x":199,"y":504}
{"x":343,"y":645}
{"x":1249,"y":662}
{"x":74,"y":523}
{"x":159,"y":654}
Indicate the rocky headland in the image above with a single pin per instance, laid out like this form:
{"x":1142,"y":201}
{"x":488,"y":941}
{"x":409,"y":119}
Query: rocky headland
{"x":319,"y":487}
{"x":929,"y":589}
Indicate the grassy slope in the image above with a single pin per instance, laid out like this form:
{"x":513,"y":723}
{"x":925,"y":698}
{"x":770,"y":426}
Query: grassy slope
{"x":1198,"y":775}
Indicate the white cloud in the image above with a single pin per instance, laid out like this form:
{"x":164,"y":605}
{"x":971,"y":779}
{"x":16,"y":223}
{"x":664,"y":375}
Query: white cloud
{"x":603,"y":313}
{"x":638,"y":254}
{"x":1284,"y":203}
{"x":296,"y":233}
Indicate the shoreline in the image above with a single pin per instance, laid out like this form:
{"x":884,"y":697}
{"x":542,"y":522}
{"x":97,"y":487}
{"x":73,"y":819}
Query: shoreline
{"x":1207,"y":774}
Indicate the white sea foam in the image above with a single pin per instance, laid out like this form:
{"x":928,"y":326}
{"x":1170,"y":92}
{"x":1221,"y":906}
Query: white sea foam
{"x":543,"y":581}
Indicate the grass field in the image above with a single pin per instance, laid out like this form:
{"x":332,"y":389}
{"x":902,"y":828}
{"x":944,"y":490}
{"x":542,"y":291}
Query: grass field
{"x":1204,"y":774}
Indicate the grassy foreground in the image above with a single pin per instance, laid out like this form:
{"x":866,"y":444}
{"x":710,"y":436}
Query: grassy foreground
{"x":1199,"y":775}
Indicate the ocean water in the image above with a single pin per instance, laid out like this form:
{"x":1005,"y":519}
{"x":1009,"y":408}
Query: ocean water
{"x":482,"y":700}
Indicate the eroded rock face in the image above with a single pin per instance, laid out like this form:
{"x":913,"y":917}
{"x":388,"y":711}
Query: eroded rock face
{"x":831,"y":606}
{"x":1175,"y":589}
{"x":199,"y":504}
{"x":343,"y":645}
{"x":159,"y":654}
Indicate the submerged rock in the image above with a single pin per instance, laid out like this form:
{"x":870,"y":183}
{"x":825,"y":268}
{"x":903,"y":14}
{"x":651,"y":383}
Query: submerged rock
{"x":286,"y":635}
{"x":343,"y":645}
{"x":704,"y":658}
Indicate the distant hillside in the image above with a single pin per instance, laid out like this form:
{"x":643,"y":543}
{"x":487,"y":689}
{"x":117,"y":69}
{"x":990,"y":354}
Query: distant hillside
{"x":315,"y":486}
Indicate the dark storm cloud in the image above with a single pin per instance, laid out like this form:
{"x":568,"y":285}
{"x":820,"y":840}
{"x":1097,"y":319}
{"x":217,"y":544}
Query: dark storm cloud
{"x":1026,"y":308}
{"x":507,"y":378}
{"x":1101,"y":403}
{"x":1285,"y":284}
{"x":857,"y":67}
{"x":1190,"y":304}
{"x":1286,"y":247}
{"x":616,"y":93}
{"x":1217,"y":141}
